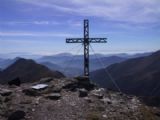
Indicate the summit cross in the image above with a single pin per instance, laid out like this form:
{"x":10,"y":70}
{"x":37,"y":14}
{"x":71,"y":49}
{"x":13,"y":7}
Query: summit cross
{"x":86,"y":41}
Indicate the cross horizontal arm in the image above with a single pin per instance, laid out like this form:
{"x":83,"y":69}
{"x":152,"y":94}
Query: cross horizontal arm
{"x":98,"y":40}
{"x":74,"y":40}
{"x":91,"y":40}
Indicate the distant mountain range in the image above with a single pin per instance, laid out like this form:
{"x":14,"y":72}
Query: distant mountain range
{"x":19,"y":54}
{"x":139,"y":76}
{"x":72,"y":65}
{"x":67,"y":70}
{"x":27,"y":71}
{"x":125,"y":55}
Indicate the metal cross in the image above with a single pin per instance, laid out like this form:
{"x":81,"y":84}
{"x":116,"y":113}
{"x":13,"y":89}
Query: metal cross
{"x":86,"y":41}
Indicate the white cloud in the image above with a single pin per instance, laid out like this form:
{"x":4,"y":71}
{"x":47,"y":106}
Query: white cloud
{"x":70,"y":23}
{"x":31,"y":22}
{"x":135,"y":11}
{"x":35,"y":34}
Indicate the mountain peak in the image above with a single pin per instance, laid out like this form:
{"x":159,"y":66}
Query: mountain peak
{"x":28,"y":71}
{"x":23,"y":60}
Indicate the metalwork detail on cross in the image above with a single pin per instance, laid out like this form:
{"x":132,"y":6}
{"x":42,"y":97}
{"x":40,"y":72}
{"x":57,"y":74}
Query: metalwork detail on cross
{"x":86,"y":41}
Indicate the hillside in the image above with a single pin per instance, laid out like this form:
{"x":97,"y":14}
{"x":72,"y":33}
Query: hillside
{"x":69,"y":99}
{"x":139,"y":76}
{"x":27,"y":71}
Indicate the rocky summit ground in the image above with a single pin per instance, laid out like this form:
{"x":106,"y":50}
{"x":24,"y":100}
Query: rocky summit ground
{"x":69,"y":99}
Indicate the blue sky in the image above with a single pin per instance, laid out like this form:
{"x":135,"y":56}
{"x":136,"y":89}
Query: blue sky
{"x":41,"y":26}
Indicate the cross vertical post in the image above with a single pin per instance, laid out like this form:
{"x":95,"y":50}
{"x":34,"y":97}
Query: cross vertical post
{"x":86,"y":42}
{"x":86,"y":48}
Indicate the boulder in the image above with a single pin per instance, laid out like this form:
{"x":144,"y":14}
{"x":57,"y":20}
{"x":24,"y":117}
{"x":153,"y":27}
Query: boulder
{"x":36,"y":90}
{"x":46,"y":80}
{"x":99,"y":96}
{"x":53,"y":96}
{"x":15,"y":81}
{"x":83,"y":92}
{"x":88,"y":99}
{"x":39,"y":86}
{"x":99,"y":93}
{"x":79,"y":82}
{"x":71,"y":86}
{"x":5,"y":92}
{"x":107,"y":100}
{"x":56,"y":89}
{"x":31,"y":92}
{"x":17,"y":115}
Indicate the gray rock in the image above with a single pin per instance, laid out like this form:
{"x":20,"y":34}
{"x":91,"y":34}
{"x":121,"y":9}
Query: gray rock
{"x":17,"y":115}
{"x":39,"y":86}
{"x":88,"y":99}
{"x":83,"y":92}
{"x":31,"y":92}
{"x":46,"y":80}
{"x":99,"y":93}
{"x":107,"y":100}
{"x":99,"y":96}
{"x":5,"y":92}
{"x":57,"y":89}
{"x":54,"y":96}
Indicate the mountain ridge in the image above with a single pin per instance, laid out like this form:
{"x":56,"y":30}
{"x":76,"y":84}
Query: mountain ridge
{"x":136,"y":76}
{"x":28,"y":71}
